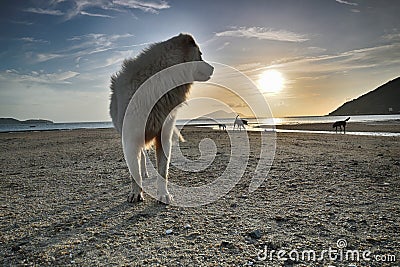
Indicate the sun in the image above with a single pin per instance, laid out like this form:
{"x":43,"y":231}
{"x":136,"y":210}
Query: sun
{"x":271,"y":81}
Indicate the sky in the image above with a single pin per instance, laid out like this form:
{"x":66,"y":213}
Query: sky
{"x":57,"y":56}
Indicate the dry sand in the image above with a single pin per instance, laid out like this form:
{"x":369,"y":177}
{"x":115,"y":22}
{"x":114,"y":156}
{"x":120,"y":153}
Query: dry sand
{"x":63,"y":203}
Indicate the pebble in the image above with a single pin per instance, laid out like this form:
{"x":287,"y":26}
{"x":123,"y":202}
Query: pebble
{"x":15,"y":248}
{"x":169,"y":231}
{"x":255,"y":234}
{"x":227,"y":244}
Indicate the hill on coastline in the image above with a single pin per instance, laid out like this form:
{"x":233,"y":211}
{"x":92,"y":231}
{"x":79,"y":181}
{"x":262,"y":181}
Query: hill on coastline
{"x":383,"y":100}
{"x":31,"y":121}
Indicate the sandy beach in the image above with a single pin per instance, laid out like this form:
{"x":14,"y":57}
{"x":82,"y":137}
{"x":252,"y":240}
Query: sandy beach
{"x":63,"y":202}
{"x":391,"y":126}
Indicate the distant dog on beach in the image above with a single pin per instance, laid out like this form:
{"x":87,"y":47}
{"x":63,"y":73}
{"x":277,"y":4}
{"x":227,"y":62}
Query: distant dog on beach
{"x":340,"y":124}
{"x":124,"y":84}
{"x":240,"y":123}
{"x":222,"y":126}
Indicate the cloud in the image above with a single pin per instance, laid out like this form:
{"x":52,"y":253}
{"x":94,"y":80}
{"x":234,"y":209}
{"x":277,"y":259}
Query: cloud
{"x":116,"y":58}
{"x":152,"y":7}
{"x":80,"y":6}
{"x":54,"y":12}
{"x":223,"y":46}
{"x":100,"y":37}
{"x":42,"y":57}
{"x":392,"y":36}
{"x":22,"y":22}
{"x":32,"y":40}
{"x":378,"y":57}
{"x":83,"y":7}
{"x":94,"y":43}
{"x":263,"y":34}
{"x":79,"y":46}
{"x":12,"y":75}
{"x":346,"y":2}
{"x":371,"y":57}
{"x":62,"y":76}
{"x":95,"y":15}
{"x":315,"y":49}
{"x":248,"y":66}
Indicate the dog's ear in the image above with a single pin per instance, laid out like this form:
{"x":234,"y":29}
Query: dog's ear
{"x":188,"y":46}
{"x":187,"y":40}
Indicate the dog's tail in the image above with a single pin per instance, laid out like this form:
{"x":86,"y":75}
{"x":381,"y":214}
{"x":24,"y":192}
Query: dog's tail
{"x":177,"y":134}
{"x":347,"y":119}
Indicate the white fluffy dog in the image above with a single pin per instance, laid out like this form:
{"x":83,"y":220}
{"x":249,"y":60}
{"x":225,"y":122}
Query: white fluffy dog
{"x":125,"y":84}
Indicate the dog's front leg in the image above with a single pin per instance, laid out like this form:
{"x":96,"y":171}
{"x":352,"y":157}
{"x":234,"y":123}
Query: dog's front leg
{"x":143,"y":169}
{"x":163,"y":151}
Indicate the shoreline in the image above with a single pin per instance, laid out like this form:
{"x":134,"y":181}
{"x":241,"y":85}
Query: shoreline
{"x":375,"y":123}
{"x":388,"y":127}
{"x":373,"y":127}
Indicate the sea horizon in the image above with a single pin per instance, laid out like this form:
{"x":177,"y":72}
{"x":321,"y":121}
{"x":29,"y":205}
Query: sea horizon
{"x":254,"y":124}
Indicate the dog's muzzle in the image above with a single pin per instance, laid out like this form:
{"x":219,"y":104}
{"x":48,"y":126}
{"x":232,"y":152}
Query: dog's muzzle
{"x":204,"y":71}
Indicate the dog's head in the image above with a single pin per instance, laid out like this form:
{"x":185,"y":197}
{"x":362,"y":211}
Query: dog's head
{"x":189,"y":51}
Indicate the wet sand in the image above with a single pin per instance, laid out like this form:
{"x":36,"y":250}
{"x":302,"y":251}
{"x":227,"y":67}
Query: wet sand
{"x":63,"y":202}
{"x":384,"y":126}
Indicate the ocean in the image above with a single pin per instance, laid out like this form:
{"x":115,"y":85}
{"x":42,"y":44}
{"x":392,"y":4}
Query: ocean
{"x":296,"y":120}
{"x":54,"y":126}
{"x":253,"y":123}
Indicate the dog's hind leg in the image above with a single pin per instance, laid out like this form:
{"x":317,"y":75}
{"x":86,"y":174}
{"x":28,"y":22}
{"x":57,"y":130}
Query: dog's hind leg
{"x":136,"y":194}
{"x":133,"y":158}
{"x":163,"y":152}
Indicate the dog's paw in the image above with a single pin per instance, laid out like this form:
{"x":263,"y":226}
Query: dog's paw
{"x":134,"y":197}
{"x":165,"y":198}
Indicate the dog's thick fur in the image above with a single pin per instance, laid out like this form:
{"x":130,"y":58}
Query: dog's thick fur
{"x":124,"y":84}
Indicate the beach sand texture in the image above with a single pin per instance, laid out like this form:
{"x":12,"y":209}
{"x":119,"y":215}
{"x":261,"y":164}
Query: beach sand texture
{"x":392,"y":126}
{"x":63,"y":202}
